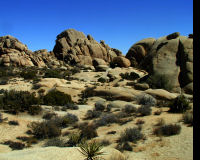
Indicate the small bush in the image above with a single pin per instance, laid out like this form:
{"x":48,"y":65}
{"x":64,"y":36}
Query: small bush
{"x":49,"y":115}
{"x":106,"y":119}
{"x":71,"y":106}
{"x":58,"y":98}
{"x":100,"y":106}
{"x":129,"y":109}
{"x":45,"y":129}
{"x":188,"y":118}
{"x":131,"y":135}
{"x":167,"y":130}
{"x":146,"y":99}
{"x":179,"y":105}
{"x":14,"y":123}
{"x":102,"y":80}
{"x":88,"y":131}
{"x":91,"y":114}
{"x":130,"y":76}
{"x":34,"y":110}
{"x":58,"y":142}
{"x":124,"y":146}
{"x":15,"y":145}
{"x":144,"y":110}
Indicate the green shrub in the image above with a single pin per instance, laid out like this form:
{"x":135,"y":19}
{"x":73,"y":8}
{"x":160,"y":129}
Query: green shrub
{"x":28,"y":74}
{"x":45,"y":129}
{"x":167,"y":130}
{"x":179,"y":105}
{"x":18,"y":101}
{"x":56,"y":98}
{"x":130,"y":76}
{"x":52,"y":73}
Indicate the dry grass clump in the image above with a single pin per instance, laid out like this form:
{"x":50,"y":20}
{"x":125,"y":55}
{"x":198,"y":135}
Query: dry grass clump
{"x":167,"y":130}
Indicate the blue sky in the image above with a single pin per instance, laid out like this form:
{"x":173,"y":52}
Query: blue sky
{"x":120,"y":23}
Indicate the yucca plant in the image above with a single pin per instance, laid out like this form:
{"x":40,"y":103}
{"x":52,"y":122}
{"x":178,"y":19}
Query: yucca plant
{"x":91,"y":150}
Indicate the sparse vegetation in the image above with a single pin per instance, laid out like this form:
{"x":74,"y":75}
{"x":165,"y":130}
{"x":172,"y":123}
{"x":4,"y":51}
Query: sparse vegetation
{"x":45,"y":129}
{"x":18,"y":101}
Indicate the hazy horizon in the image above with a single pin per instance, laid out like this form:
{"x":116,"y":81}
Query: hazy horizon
{"x":120,"y":23}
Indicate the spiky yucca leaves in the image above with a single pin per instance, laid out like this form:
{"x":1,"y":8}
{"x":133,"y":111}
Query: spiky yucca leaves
{"x":91,"y":150}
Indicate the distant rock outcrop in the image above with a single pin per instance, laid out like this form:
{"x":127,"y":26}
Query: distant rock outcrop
{"x":75,"y":48}
{"x":170,"y":56}
{"x":15,"y":53}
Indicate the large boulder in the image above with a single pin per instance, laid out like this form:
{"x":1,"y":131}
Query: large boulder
{"x":15,"y":53}
{"x":73,"y":46}
{"x":139,"y":50}
{"x":170,"y":57}
{"x":121,"y":62}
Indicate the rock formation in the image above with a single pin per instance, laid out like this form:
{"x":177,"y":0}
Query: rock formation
{"x":170,"y":56}
{"x":15,"y":53}
{"x":75,"y":48}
